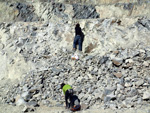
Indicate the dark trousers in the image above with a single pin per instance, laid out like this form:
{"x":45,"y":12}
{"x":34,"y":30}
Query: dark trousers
{"x":69,"y":95}
{"x":77,"y":41}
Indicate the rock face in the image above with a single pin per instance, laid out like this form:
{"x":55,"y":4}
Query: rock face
{"x":49,"y":10}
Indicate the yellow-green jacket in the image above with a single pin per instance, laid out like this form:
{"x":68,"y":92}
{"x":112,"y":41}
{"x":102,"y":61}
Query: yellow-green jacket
{"x":66,"y":87}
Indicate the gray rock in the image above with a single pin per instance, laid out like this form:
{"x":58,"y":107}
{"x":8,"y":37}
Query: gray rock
{"x":56,"y":70}
{"x":128,"y":6}
{"x":32,"y":103}
{"x":148,"y":80}
{"x":119,"y":87}
{"x":26,"y":13}
{"x":146,"y":95}
{"x":20,"y":102}
{"x":28,"y":109}
{"x":103,"y":60}
{"x":147,"y":57}
{"x":25,"y":88}
{"x":26,"y":96}
{"x":139,"y":82}
{"x":117,"y":61}
{"x":109,"y":90}
{"x":89,"y":57}
{"x":1,"y":46}
{"x":109,"y":97}
{"x":124,"y":54}
{"x":133,"y":92}
{"x":84,"y":12}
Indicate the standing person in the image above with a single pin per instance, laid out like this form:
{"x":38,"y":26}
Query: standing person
{"x":78,"y":38}
{"x":68,"y":92}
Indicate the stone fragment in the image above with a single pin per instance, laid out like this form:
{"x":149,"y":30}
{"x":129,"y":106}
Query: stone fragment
{"x":148,"y":80}
{"x":84,"y":106}
{"x":147,"y":55}
{"x":109,"y":97}
{"x":133,"y":92}
{"x":139,"y":82}
{"x":56,"y":70}
{"x":128,"y":84}
{"x":28,"y":109}
{"x":146,"y":95}
{"x":109,"y":90}
{"x":103,"y":60}
{"x":119,"y":87}
{"x":129,"y":61}
{"x":32,"y":103}
{"x":118,"y":75}
{"x":1,"y":46}
{"x":117,"y":61}
{"x":89,"y":57}
{"x":26,"y":95}
{"x":145,"y":63}
{"x":20,"y":102}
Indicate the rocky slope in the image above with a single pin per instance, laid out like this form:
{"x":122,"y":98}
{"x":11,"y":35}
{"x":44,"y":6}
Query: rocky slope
{"x":45,"y":11}
{"x":36,"y":48}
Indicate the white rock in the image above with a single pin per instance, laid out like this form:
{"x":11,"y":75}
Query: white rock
{"x":129,"y":61}
{"x":20,"y":102}
{"x":145,"y":63}
{"x":146,"y":95}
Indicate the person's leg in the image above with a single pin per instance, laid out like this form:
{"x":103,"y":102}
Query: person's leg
{"x":80,"y":44}
{"x":67,"y":96}
{"x":75,"y":43}
{"x":71,"y":101}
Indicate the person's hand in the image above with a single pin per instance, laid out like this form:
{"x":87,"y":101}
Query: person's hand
{"x":66,"y":107}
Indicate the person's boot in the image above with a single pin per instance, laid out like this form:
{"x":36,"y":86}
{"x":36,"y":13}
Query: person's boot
{"x":74,"y":50}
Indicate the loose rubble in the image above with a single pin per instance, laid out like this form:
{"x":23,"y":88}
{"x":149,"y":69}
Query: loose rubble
{"x":95,"y":79}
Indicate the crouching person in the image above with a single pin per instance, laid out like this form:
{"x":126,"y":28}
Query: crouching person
{"x":68,"y":92}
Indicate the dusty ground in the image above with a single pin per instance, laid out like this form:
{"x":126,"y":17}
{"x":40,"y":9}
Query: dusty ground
{"x":4,"y":108}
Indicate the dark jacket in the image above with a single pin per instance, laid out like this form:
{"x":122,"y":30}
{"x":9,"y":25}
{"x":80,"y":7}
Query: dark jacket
{"x":78,"y":31}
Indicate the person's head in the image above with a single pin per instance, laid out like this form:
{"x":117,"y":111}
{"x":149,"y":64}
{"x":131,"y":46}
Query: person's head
{"x":77,"y":25}
{"x":62,"y":85}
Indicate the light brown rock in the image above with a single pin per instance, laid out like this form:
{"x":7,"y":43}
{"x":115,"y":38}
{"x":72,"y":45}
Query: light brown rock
{"x":118,"y":75}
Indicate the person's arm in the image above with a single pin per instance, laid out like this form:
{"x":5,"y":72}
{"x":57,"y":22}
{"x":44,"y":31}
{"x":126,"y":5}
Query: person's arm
{"x":66,"y":100}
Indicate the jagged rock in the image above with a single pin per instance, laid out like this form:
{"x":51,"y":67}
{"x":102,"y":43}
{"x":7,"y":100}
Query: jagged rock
{"x":133,"y":92}
{"x":128,"y":84}
{"x":139,"y":82}
{"x":147,"y":55}
{"x":118,"y":75}
{"x":119,"y":87}
{"x":109,"y":90}
{"x":20,"y":102}
{"x":148,"y":80}
{"x":109,"y":97}
{"x":145,"y":63}
{"x":84,"y":12}
{"x":32,"y":103}
{"x":26,"y":95}
{"x":117,"y":61}
{"x":84,"y":106}
{"x":103,"y":60}
{"x":146,"y":95}
{"x":28,"y":109}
